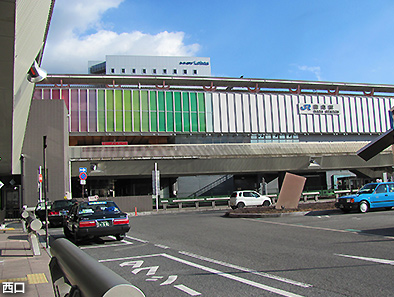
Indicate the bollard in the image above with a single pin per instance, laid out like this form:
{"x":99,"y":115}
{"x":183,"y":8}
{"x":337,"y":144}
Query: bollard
{"x":73,"y":270}
{"x":33,"y":225}
{"x":135,"y":210}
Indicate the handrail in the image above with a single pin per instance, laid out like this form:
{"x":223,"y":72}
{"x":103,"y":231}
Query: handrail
{"x":86,"y":275}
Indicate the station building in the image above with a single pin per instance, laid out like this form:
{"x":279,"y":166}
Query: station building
{"x":207,"y":135}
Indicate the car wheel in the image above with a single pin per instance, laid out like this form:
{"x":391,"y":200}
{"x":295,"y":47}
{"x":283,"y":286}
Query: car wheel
{"x":363,"y":206}
{"x":241,"y":205}
{"x":266,"y":203}
{"x":120,"y":237}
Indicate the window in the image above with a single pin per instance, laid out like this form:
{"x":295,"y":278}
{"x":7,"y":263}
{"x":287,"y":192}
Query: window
{"x":164,"y":71}
{"x":381,"y":189}
{"x":112,"y":70}
{"x":144,"y":71}
{"x":133,"y":71}
{"x":123,"y":70}
{"x":195,"y":71}
{"x":154,"y":71}
{"x":184,"y":71}
{"x":174,"y":71}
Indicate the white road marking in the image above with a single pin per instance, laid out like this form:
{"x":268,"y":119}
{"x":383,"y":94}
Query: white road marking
{"x":187,"y":290}
{"x":213,"y":271}
{"x":151,"y":270}
{"x":376,"y":260}
{"x":267,"y":275}
{"x":136,"y":239}
{"x":162,"y":246}
{"x":106,"y":245}
{"x":170,"y":280}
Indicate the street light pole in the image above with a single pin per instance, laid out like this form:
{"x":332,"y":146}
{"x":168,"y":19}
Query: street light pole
{"x":44,"y":177}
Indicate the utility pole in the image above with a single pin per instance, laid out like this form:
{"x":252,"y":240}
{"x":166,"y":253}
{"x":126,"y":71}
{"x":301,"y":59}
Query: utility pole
{"x":44,"y":192}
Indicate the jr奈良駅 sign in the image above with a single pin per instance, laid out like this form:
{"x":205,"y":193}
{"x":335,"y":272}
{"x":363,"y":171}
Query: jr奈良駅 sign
{"x":317,"y":108}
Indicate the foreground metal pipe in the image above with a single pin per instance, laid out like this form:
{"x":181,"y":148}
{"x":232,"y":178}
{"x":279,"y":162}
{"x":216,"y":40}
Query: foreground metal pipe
{"x":92,"y":278}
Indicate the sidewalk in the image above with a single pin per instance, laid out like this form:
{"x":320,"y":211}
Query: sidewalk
{"x":19,"y":265}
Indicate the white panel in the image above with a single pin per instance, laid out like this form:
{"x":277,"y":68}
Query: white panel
{"x":291,"y":116}
{"x":322,"y":118}
{"x":359,"y":114}
{"x":239,"y":112}
{"x":216,"y":113}
{"x":246,"y":111}
{"x":231,"y":113}
{"x":209,"y":116}
{"x":303,"y":118}
{"x":386,"y":112}
{"x":316,"y":118}
{"x":223,"y":112}
{"x":261,"y":113}
{"x":365,"y":114}
{"x":268,"y":113}
{"x":377,"y":117}
{"x":329,"y":118}
{"x":282,"y":114}
{"x":253,"y":113}
{"x":336,"y":119}
{"x":275,"y":113}
{"x":341,"y":118}
{"x":371,"y":115}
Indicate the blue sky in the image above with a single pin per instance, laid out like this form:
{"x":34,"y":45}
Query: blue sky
{"x":336,"y":40}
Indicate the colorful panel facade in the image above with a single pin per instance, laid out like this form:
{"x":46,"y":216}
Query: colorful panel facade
{"x":134,"y":110}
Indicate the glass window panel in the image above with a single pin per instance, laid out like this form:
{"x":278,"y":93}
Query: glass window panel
{"x":203,"y":126}
{"x":101,"y":110}
{"x":65,"y":97}
{"x":137,"y":121}
{"x":194,"y":122}
{"x":145,"y":121}
{"x":55,"y":94}
{"x":201,"y":102}
{"x":153,"y":102}
{"x":74,"y":111}
{"x":153,"y":121}
{"x":83,"y":105}
{"x":136,"y":100}
{"x":110,"y":110}
{"x":47,"y":94}
{"x":193,"y":102}
{"x":178,"y":121}
{"x":178,"y":103}
{"x":37,"y":94}
{"x":162,"y":121}
{"x":127,"y":99}
{"x":144,"y":101}
{"x":119,"y":110}
{"x":185,"y":101}
{"x":169,"y":101}
{"x":161,"y":101}
{"x":186,"y":122}
{"x":92,"y":111}
{"x":170,"y":121}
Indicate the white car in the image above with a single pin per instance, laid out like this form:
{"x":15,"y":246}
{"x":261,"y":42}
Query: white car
{"x":240,"y":199}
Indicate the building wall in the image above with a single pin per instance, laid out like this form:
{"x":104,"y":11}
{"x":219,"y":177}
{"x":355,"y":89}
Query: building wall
{"x":47,"y":117}
{"x":133,"y":110}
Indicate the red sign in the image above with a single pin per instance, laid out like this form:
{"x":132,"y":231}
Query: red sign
{"x":40,"y":178}
{"x":115,"y":143}
{"x":83,"y":176}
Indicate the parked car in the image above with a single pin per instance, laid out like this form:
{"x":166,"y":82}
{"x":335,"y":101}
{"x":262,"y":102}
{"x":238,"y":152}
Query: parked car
{"x":90,"y":219}
{"x":59,"y":210}
{"x":240,"y":199}
{"x":372,"y":195}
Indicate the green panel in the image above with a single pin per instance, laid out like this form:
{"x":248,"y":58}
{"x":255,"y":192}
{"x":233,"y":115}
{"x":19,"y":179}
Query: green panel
{"x":128,"y":114}
{"x":203,"y":126}
{"x":119,"y":110}
{"x":136,"y":100}
{"x":101,"y":110}
{"x":178,"y":103}
{"x":161,"y":101}
{"x":178,"y":121}
{"x":185,"y":101}
{"x":194,"y":122}
{"x":169,"y":101}
{"x":153,"y":102}
{"x":186,"y":122}
{"x":201,"y":102}
{"x":145,"y":121}
{"x":193,"y":101}
{"x":162,"y":121}
{"x":170,"y":121}
{"x":137,"y":121}
{"x":127,"y":99}
{"x":144,"y":101}
{"x":110,"y":110}
{"x":153,"y":121}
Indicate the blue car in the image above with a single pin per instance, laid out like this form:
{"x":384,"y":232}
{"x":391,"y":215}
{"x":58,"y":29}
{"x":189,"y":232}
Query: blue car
{"x":372,"y":195}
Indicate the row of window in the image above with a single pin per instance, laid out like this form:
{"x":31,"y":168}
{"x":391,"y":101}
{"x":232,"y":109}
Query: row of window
{"x":154,"y":71}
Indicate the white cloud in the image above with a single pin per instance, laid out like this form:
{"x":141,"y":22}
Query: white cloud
{"x":78,"y":35}
{"x":314,"y":69}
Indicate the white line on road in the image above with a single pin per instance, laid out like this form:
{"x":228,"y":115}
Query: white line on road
{"x":267,"y":275}
{"x":376,"y":260}
{"x":213,"y":271}
{"x":106,"y":245}
{"x":136,"y":239}
{"x":187,"y":290}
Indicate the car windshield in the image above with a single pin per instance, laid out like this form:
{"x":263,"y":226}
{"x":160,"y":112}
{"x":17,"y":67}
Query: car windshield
{"x":61,"y":204}
{"x":368,"y":188}
{"x":98,"y":207}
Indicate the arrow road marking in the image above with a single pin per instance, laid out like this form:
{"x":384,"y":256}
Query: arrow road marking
{"x":151,"y":270}
{"x":376,"y":260}
{"x":170,"y":280}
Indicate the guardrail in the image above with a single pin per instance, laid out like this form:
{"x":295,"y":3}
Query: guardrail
{"x":75,"y":273}
{"x":31,"y":225}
